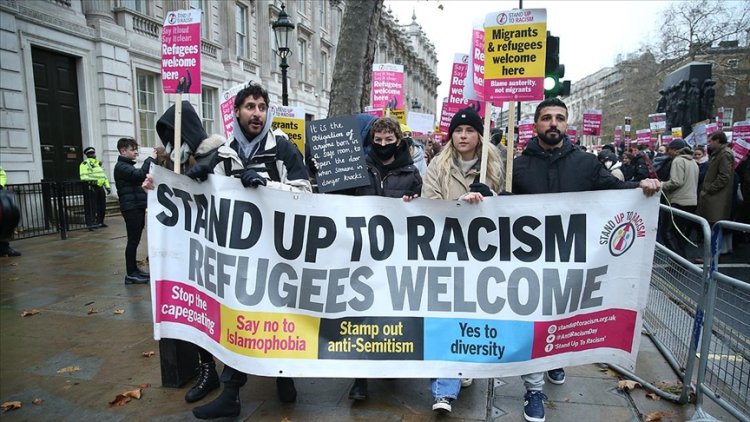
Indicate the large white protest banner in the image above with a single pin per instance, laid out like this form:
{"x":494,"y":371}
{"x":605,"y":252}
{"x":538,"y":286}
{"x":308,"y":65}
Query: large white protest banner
{"x":313,"y":285}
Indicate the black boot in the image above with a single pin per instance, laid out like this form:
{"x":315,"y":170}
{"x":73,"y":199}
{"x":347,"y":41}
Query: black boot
{"x":208,"y":381}
{"x":228,"y":402}
{"x":285,"y":389}
{"x":359,"y":389}
{"x":226,"y":405}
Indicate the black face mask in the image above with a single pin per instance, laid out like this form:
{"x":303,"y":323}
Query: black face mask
{"x":384,"y":152}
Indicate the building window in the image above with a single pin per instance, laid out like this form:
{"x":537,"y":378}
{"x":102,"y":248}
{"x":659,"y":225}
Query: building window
{"x":337,"y":21}
{"x":324,"y":15}
{"x":274,"y":52}
{"x":733,"y":63}
{"x":139,"y":6}
{"x":730,"y":88}
{"x":146,"y":92}
{"x":198,"y":5}
{"x":240,"y":21}
{"x":324,"y":70}
{"x":302,"y":57}
{"x":208,"y":107}
{"x":728,"y":116}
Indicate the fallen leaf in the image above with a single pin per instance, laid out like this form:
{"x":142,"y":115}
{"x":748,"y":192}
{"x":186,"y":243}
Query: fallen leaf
{"x":670,"y":387}
{"x":119,"y":311}
{"x":627,"y":385}
{"x":37,"y":401}
{"x":148,"y":354}
{"x":609,"y":372}
{"x":142,"y":386}
{"x":286,"y":420}
{"x":30,"y":313}
{"x":653,"y":396}
{"x":93,"y":311}
{"x":10,"y":405}
{"x":657,"y":416}
{"x":124,"y":398}
{"x":68,"y":369}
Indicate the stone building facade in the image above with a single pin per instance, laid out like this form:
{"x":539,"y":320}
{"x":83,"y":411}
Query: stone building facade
{"x":78,"y":73}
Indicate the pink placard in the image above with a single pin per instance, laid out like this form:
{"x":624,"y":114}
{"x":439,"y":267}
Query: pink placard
{"x":477,"y":62}
{"x":181,"y":52}
{"x":572,"y":133}
{"x":227,"y":109}
{"x":445,"y":116}
{"x":643,"y":136}
{"x":525,"y":130}
{"x":740,"y":141}
{"x":592,"y":122}
{"x":618,"y":134}
{"x":387,"y":86}
{"x":457,"y":96}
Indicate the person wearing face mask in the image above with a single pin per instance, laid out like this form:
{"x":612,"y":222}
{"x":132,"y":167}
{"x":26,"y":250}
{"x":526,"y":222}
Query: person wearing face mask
{"x":392,"y":174}
{"x":550,"y":164}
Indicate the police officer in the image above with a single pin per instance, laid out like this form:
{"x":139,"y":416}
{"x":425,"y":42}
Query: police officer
{"x":91,"y":171}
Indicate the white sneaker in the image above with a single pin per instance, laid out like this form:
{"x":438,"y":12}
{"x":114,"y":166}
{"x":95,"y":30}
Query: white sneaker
{"x":442,"y":405}
{"x":466,"y":382}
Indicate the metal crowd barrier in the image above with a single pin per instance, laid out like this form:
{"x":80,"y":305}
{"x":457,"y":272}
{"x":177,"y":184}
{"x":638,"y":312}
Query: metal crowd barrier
{"x":724,"y":367}
{"x":694,"y":314}
{"x":52,"y":207}
{"x":674,"y":314}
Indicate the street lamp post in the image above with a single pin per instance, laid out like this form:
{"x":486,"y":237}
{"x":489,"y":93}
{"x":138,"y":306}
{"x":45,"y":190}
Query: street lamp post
{"x":281,"y":29}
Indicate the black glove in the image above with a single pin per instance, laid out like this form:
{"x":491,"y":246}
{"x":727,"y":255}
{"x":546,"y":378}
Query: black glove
{"x":480,"y":188}
{"x":250,"y":178}
{"x":198,"y":172}
{"x":108,"y":190}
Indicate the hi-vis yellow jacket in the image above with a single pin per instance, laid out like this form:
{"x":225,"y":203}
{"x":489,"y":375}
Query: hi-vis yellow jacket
{"x":92,"y":171}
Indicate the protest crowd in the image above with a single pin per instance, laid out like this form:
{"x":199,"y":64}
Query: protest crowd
{"x":373,"y":157}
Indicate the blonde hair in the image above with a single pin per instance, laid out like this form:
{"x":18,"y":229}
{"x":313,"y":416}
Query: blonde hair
{"x":449,"y":159}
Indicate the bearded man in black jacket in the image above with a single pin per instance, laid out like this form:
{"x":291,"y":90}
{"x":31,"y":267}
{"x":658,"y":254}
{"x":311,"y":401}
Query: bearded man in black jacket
{"x":550,"y":164}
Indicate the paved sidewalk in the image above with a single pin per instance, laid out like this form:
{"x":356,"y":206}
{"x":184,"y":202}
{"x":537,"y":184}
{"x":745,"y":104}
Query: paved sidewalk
{"x":77,"y":284}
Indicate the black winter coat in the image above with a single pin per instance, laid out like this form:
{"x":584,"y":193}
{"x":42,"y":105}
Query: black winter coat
{"x":128,"y":181}
{"x":564,"y":169}
{"x":394,"y":180}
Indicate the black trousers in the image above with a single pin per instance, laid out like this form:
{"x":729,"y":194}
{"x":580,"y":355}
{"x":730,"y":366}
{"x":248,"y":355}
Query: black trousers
{"x":135,"y":221}
{"x":95,"y":204}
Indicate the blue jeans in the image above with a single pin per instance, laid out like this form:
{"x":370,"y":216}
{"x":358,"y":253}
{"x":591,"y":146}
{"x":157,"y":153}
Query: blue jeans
{"x":445,"y":387}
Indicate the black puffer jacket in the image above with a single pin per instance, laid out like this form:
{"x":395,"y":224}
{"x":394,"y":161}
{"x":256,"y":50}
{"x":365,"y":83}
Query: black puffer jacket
{"x":394,"y":180}
{"x":128,"y":181}
{"x":564,"y":169}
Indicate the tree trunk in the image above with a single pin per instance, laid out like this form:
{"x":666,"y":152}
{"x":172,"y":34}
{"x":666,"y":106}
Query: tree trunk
{"x":352,"y":72}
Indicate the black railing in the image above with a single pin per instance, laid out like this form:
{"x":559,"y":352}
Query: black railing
{"x":51,"y":207}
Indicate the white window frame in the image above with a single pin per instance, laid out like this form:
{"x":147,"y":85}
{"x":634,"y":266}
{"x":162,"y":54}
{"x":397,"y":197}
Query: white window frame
{"x":324,"y":70}
{"x":324,"y":16}
{"x":146,"y":110}
{"x":208,"y":108}
{"x":728,"y":117}
{"x":140,"y":6}
{"x":730,"y":88}
{"x":240,"y":38}
{"x":201,"y":5}
{"x":733,"y":63}
{"x":302,"y":59}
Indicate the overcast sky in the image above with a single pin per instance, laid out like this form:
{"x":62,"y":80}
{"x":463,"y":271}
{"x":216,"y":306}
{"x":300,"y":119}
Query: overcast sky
{"x":592,"y":32}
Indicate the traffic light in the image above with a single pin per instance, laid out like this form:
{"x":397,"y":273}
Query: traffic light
{"x":553,"y":70}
